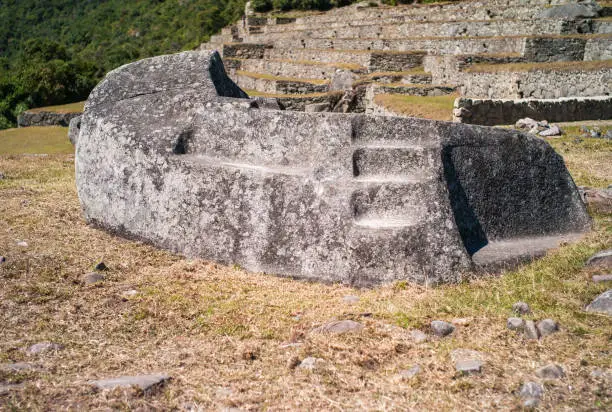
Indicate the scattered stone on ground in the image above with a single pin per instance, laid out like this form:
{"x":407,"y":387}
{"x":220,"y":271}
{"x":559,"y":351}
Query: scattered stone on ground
{"x":596,"y":278}
{"x":552,"y":371}
{"x":531,"y":392}
{"x":521,"y":308}
{"x":553,"y":130}
{"x":2,"y":176}
{"x":598,"y":200}
{"x":601,"y":374}
{"x":101,"y":266}
{"x":526,"y":123}
{"x":43,"y":347}
{"x":18,"y":367}
{"x":310,"y":363}
{"x":531,"y":332}
{"x":93,"y":277}
{"x":22,"y":243}
{"x":602,"y":303}
{"x":350,"y":299}
{"x":339,"y":326}
{"x":143,"y":382}
{"x":410,"y":373}
{"x":2,"y":259}
{"x":468,"y":366}
{"x":515,"y":323}
{"x":417,"y":336}
{"x":601,"y":259}
{"x":461,"y":321}
{"x":129,"y":293}
{"x":547,"y":327}
{"x":6,"y":388}
{"x":441,"y":328}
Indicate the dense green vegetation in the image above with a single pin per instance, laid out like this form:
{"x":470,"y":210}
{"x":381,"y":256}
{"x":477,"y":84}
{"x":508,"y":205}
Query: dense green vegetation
{"x":55,"y":51}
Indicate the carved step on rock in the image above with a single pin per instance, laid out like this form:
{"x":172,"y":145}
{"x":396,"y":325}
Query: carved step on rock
{"x":387,"y":158}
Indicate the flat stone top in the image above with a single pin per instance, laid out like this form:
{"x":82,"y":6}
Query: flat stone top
{"x":195,"y":70}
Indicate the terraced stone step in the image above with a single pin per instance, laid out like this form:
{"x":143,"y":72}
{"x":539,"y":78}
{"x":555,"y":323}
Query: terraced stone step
{"x":479,"y":10}
{"x":278,"y":84}
{"x":292,"y":68}
{"x":441,"y":29}
{"x":416,"y":75}
{"x":433,"y":45}
{"x":298,"y":102}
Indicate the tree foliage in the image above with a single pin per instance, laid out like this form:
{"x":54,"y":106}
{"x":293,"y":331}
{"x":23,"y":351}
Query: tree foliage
{"x":55,"y":51}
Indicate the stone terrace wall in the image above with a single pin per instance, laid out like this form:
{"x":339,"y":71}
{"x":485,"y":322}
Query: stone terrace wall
{"x":493,"y":112}
{"x":598,"y":49}
{"x":537,"y":84}
{"x":28,"y":118}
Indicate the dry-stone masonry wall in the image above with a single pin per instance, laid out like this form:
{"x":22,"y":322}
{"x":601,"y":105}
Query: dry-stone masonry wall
{"x":492,"y":112}
{"x":169,"y":150}
{"x":44,"y":118}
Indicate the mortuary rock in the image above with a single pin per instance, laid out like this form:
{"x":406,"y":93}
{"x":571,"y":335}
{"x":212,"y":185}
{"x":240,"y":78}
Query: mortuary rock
{"x":602,"y":303}
{"x":172,"y":152}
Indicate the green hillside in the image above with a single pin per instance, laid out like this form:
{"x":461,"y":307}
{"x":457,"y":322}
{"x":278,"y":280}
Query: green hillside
{"x":55,"y":51}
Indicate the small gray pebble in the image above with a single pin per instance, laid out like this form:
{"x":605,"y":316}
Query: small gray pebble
{"x":468,"y":366}
{"x":441,"y":328}
{"x":531,"y":332}
{"x":521,"y":308}
{"x":547,"y":327}
{"x":410,"y":373}
{"x":417,"y":336}
{"x":515,"y":323}
{"x":93,"y":277}
{"x":531,"y":392}
{"x":551,"y":371}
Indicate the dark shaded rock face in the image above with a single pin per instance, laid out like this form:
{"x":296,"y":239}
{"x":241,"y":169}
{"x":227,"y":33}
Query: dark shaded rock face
{"x":170,"y":151}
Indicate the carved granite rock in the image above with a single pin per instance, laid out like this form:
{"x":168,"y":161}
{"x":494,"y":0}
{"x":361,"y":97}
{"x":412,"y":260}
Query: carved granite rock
{"x":172,"y":152}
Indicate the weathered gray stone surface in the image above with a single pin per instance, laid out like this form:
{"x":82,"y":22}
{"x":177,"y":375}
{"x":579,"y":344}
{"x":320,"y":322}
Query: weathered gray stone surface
{"x":441,"y":328}
{"x":74,"y":128}
{"x":339,"y":326}
{"x":531,"y":392}
{"x":417,"y":336}
{"x":44,"y":347}
{"x":410,"y":373}
{"x":601,"y":259}
{"x":515,"y":324}
{"x":143,"y":382}
{"x":602,"y":303}
{"x":521,"y":308}
{"x":530,"y":330}
{"x":92,"y":277}
{"x":572,"y":11}
{"x":164,"y":155}
{"x":547,"y":327}
{"x":596,"y":278}
{"x":552,"y":371}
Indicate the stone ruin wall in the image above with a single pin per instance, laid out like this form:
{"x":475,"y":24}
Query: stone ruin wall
{"x":490,"y":112}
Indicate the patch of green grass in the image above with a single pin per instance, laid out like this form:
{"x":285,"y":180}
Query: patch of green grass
{"x":35,"y":140}
{"x":64,"y":108}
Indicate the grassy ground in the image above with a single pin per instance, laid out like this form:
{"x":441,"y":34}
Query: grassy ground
{"x":35,"y":140}
{"x":64,"y":108}
{"x":429,"y":107}
{"x":219,"y":330}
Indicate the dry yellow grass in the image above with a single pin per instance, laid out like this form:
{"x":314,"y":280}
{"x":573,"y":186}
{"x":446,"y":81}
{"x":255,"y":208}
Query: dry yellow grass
{"x":64,"y":108}
{"x":219,"y":330}
{"x":428,"y":107}
{"x":35,"y":140}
